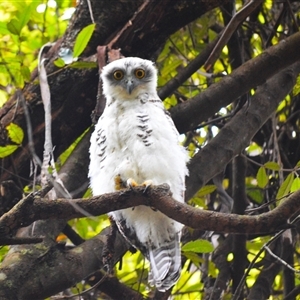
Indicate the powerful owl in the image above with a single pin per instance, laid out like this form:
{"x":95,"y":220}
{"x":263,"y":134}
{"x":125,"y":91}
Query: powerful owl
{"x":134,"y":143}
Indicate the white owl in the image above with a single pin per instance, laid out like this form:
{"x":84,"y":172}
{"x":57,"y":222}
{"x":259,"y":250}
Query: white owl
{"x":135,"y":142}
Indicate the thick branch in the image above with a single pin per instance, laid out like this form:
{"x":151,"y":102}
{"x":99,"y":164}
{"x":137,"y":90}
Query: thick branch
{"x":55,"y":269}
{"x":73,"y":91}
{"x":253,"y":73}
{"x":236,"y":135}
{"x":160,"y":198}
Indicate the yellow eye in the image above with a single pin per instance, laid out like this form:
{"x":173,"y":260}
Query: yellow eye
{"x":139,"y":73}
{"x":118,"y":75}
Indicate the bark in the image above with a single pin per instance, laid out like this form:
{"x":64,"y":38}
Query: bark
{"x":239,"y":131}
{"x":219,"y":257}
{"x":239,"y":249}
{"x":257,"y":114}
{"x":38,"y":271}
{"x":255,"y":72}
{"x":73,"y":91}
{"x":55,"y":269}
{"x":158,"y":197}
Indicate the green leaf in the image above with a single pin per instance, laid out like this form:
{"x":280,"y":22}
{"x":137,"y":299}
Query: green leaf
{"x":25,"y":73}
{"x":200,"y":201}
{"x":82,"y":39}
{"x":272,"y":165}
{"x":7,"y":150}
{"x":194,"y":257}
{"x":295,"y":185}
{"x":261,"y":177}
{"x":59,"y":62}
{"x":170,"y":67}
{"x":83,"y":65}
{"x":3,"y":28}
{"x":254,"y":149}
{"x":24,"y":16}
{"x":14,"y":26}
{"x":255,"y":194}
{"x":207,"y":189}
{"x":286,"y":186}
{"x":198,"y":246}
{"x":15,"y":133}
{"x":296,"y":88}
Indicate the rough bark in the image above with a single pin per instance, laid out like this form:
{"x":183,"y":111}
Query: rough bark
{"x":73,"y":91}
{"x":255,"y":72}
{"x":55,"y":269}
{"x":238,"y":132}
{"x":38,"y":271}
{"x":158,"y":197}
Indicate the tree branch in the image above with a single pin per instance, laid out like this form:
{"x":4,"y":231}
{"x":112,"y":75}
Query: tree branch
{"x":236,"y":135}
{"x":55,"y":269}
{"x":190,"y":114}
{"x":186,"y":72}
{"x":74,"y":91}
{"x":26,"y":212}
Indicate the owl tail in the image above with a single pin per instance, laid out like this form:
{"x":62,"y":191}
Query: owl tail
{"x":165,"y":265}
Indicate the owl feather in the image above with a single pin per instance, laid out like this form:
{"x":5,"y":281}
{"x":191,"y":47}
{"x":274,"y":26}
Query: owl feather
{"x":135,"y":140}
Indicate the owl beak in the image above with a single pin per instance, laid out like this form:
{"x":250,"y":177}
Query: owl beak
{"x":129,"y":86}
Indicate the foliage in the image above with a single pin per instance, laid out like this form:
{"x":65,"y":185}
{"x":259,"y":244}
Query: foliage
{"x":272,"y":157}
{"x":16,"y":135}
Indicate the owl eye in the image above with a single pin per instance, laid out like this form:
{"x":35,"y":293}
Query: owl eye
{"x":118,"y":75}
{"x":139,"y":73}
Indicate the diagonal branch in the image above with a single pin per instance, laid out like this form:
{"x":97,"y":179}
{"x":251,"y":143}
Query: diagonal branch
{"x":236,"y":135}
{"x":238,"y":18}
{"x":251,"y":74}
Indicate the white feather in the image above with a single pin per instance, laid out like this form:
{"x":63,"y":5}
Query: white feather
{"x":135,"y":138}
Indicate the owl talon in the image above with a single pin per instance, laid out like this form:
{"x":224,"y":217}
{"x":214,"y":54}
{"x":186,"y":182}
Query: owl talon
{"x":131,"y":183}
{"x":147,"y":184}
{"x":119,"y":184}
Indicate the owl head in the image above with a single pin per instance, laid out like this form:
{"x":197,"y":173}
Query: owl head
{"x":128,"y":78}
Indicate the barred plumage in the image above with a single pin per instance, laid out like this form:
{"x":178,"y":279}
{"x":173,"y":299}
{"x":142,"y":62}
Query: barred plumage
{"x":135,"y":140}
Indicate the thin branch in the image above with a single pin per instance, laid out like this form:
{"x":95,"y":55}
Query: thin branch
{"x":280,"y":260}
{"x":186,"y":72}
{"x":251,"y":74}
{"x":229,"y":30}
{"x":242,"y":282}
{"x":91,"y":11}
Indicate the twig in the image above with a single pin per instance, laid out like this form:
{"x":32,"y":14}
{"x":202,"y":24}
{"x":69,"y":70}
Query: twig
{"x":73,"y":236}
{"x":127,"y":25}
{"x":280,"y":260}
{"x":276,"y":153}
{"x":186,"y":72}
{"x":295,"y":23}
{"x":48,"y":156}
{"x":83,"y":292}
{"x":261,"y":165}
{"x":229,"y":30}
{"x":241,"y":284}
{"x":91,"y":11}
{"x":36,"y":159}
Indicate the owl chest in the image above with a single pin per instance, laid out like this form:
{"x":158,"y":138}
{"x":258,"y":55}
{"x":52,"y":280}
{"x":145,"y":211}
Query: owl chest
{"x":131,"y":128}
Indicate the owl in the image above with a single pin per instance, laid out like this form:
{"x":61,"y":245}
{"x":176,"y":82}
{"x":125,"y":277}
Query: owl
{"x":135,"y":143}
